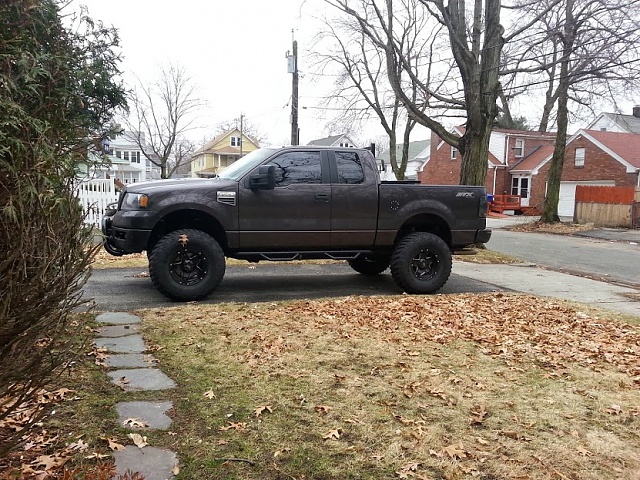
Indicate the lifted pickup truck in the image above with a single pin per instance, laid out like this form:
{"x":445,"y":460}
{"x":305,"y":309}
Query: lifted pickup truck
{"x":295,"y":203}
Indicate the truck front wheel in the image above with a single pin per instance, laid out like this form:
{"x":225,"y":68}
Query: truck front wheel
{"x":421,"y":263}
{"x":186,"y":265}
{"x":370,"y":264}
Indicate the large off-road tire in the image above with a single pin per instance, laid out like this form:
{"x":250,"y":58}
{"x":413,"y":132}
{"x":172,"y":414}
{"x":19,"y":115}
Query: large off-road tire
{"x":421,"y":263}
{"x":370,"y":264}
{"x":186,"y":265}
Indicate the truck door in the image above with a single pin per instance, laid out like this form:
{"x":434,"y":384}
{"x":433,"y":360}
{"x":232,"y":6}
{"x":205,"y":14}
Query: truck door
{"x":296,"y":213}
{"x":354,"y":194}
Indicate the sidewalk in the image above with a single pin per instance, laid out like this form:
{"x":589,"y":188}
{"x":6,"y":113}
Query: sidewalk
{"x":528,"y":278}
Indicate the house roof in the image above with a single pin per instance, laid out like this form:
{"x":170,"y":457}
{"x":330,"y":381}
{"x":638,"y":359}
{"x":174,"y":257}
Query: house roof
{"x":630,"y":122}
{"x":533,"y":159}
{"x":624,"y":145}
{"x":217,"y":139}
{"x":417,"y":150}
{"x":330,"y":141}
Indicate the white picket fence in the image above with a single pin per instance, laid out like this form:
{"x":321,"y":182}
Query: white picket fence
{"x":94,"y":196}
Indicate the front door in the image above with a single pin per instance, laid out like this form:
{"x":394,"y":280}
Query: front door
{"x":296,"y":213}
{"x":521,"y":186}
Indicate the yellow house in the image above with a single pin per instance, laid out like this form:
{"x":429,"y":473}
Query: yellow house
{"x":217,"y":154}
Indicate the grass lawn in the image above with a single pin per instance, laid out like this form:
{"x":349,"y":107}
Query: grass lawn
{"x":139,"y":260}
{"x":491,"y":386}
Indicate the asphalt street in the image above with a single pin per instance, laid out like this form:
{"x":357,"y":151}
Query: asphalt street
{"x":607,"y":260}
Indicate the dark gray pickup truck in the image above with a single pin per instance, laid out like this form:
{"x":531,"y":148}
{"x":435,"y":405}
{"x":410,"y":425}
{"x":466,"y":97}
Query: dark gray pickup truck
{"x":295,"y":203}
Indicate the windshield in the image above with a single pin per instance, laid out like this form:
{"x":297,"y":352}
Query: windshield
{"x":238,"y":169}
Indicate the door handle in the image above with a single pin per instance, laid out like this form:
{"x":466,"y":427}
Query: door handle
{"x":322,"y":198}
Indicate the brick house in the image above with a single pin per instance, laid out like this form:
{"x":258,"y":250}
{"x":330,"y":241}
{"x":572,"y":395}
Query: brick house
{"x":519,"y":163}
{"x":593,"y":157}
{"x":507,"y":171}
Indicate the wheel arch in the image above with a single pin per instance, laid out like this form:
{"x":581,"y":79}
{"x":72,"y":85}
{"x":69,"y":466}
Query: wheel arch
{"x":185,"y":219}
{"x":428,"y":223}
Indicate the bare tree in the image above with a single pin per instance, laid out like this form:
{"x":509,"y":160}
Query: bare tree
{"x":579,"y":51}
{"x":162,"y":114}
{"x":361,"y":87}
{"x":468,"y":83}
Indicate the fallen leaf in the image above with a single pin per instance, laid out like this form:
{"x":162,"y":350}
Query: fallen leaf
{"x":115,"y":446}
{"x":584,"y":452}
{"x":332,"y":435}
{"x":175,"y":470}
{"x":262,"y":408}
{"x":134,"y":423}
{"x":322,"y":409}
{"x":455,"y":451}
{"x":233,"y":426}
{"x":277,"y":453}
{"x":209,"y":394}
{"x":138,"y":439}
{"x":97,"y":455}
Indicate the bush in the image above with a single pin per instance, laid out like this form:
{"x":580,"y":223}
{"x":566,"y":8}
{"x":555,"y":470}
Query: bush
{"x":56,"y":91}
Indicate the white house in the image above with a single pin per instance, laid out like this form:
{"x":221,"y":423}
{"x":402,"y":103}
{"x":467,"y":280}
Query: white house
{"x":341,"y":140}
{"x":617,"y":122}
{"x":126,"y":162}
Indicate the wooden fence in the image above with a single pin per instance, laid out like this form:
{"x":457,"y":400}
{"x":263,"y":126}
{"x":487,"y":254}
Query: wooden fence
{"x":608,"y":206}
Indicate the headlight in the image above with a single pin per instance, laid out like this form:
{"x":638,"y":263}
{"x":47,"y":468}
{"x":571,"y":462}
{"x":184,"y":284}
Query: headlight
{"x":134,"y":201}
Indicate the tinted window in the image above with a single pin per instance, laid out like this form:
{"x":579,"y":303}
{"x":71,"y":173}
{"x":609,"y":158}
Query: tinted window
{"x":349,"y":168}
{"x":297,"y":167}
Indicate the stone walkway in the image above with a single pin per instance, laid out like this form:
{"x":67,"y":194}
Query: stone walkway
{"x":133,"y":371}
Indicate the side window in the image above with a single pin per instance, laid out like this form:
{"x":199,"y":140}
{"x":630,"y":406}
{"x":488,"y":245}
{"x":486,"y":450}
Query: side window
{"x":297,"y":167}
{"x":349,"y":168}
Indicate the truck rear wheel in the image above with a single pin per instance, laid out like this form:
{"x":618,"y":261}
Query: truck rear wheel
{"x":186,"y":265}
{"x":421,"y":263}
{"x":370,"y":264}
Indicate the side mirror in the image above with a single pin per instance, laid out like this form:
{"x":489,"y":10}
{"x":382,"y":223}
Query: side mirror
{"x":265,"y":179}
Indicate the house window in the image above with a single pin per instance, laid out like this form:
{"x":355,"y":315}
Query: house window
{"x":345,"y":144}
{"x":125,"y":156}
{"x":118,"y":154}
{"x":454,"y":153}
{"x":519,"y":148}
{"x":579,"y":159}
{"x":236,"y":141}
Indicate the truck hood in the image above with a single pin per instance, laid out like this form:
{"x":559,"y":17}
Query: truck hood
{"x":190,"y":184}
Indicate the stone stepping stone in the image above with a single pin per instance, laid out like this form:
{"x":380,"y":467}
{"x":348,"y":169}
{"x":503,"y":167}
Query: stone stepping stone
{"x":129,"y":344}
{"x":153,"y":463}
{"x":118,"y":330}
{"x":130,"y":360}
{"x":141,"y":379}
{"x":151,"y":413}
{"x":117,"y":318}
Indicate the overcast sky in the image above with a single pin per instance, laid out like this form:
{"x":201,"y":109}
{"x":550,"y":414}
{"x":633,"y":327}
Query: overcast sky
{"x":234,"y":51}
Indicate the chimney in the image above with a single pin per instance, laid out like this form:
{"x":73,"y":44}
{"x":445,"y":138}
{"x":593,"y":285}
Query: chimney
{"x":636,"y":111}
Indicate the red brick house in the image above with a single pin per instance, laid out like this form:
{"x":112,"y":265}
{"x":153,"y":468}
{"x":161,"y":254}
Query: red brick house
{"x":507,"y":149}
{"x":592,"y":157}
{"x":519,"y":163}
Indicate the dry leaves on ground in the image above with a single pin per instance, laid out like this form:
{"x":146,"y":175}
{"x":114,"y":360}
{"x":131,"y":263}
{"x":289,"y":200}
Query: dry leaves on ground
{"x":559,"y":228}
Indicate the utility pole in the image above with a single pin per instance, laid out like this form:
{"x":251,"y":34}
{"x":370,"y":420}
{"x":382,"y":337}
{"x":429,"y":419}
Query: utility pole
{"x":241,"y":133}
{"x":293,"y":68}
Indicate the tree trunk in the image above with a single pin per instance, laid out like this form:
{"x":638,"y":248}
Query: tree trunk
{"x":475,"y":155}
{"x":550,"y":208}
{"x":392,"y":155}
